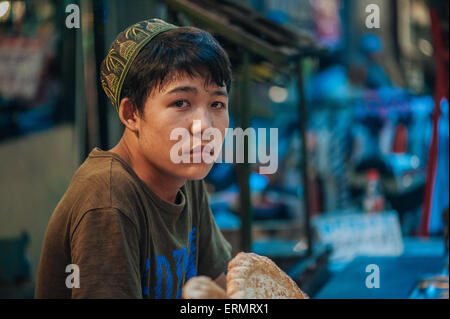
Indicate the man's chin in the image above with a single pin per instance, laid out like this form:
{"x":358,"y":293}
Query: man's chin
{"x":195,"y":171}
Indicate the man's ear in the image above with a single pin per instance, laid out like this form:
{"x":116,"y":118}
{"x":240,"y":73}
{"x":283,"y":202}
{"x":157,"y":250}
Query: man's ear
{"x":128,"y":114}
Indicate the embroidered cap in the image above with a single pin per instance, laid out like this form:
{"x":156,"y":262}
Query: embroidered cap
{"x":122,"y":53}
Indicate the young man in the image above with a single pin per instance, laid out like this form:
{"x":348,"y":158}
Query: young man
{"x":134,"y":223}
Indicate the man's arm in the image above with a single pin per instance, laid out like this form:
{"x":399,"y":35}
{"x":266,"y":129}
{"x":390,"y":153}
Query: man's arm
{"x":222,"y":281}
{"x":105,"y":247}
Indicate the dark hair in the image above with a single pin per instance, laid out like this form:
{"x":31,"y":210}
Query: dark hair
{"x":184,"y":50}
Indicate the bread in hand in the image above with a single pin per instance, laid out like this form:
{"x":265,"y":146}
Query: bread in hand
{"x":251,"y":276}
{"x":202,"y":287}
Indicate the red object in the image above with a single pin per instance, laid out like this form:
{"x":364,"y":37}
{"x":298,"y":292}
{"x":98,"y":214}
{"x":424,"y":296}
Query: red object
{"x":400,"y":144}
{"x":373,"y":201}
{"x":314,"y":197}
{"x":372,"y":175}
{"x":441,"y":91}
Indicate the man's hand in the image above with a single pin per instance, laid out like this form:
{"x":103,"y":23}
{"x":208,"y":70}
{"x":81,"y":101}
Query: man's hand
{"x":202,"y":287}
{"x":221,"y":281}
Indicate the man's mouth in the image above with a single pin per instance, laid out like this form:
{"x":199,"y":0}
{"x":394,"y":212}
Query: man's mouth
{"x":200,"y":149}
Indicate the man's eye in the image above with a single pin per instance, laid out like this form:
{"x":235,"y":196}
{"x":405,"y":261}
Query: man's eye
{"x":181,"y":103}
{"x":218,"y":105}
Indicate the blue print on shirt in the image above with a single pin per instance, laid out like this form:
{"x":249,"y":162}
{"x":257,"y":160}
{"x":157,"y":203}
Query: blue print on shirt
{"x":191,"y":270}
{"x":185,"y":265}
{"x":160,"y":262}
{"x":180,"y":257}
{"x":145,"y":290}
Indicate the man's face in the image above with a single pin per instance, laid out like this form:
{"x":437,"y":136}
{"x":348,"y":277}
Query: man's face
{"x":181,"y":102}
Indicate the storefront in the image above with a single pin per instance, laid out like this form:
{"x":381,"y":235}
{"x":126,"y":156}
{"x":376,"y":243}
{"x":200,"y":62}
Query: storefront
{"x":344,"y":178}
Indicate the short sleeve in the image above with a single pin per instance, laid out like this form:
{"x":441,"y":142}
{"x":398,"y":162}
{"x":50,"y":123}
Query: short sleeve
{"x":105,"y":247}
{"x":215,"y":250}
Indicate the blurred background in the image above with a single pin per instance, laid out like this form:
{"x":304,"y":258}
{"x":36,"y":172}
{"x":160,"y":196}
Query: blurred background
{"x":357,"y":89}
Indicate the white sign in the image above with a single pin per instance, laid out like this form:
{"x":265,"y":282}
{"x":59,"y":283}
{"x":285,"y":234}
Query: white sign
{"x":21,"y":64}
{"x":352,"y":234}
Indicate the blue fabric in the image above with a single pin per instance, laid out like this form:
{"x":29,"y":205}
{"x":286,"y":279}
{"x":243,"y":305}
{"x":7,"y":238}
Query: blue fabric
{"x":398,"y":277}
{"x":441,"y":184}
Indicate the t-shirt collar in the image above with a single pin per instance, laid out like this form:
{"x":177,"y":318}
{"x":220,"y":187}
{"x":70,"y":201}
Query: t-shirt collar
{"x":171,"y":208}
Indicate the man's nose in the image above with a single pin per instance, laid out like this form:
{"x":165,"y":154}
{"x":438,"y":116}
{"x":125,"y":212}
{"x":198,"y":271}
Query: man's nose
{"x":200,"y":121}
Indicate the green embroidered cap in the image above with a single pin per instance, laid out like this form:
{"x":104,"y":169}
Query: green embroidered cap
{"x":122,"y":53}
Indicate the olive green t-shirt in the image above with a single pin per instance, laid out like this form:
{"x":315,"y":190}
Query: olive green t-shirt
{"x":126,"y":241}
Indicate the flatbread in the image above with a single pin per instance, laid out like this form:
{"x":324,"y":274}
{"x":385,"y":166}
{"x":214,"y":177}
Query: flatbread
{"x":251,"y":276}
{"x":202,"y":287}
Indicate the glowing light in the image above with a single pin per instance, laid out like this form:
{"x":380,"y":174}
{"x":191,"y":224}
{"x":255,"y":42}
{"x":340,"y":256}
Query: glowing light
{"x":278,"y":94}
{"x":407,"y":180}
{"x":18,"y":10}
{"x":425,"y":47}
{"x":4,"y":10}
{"x":415,"y":161}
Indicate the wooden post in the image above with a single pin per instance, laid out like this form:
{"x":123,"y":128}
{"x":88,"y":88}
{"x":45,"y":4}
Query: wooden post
{"x":90,"y":75}
{"x":244,"y":168}
{"x":302,"y":120}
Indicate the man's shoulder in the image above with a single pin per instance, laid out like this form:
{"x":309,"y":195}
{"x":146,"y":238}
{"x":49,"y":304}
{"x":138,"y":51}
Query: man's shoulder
{"x":95,"y":186}
{"x":95,"y":178}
